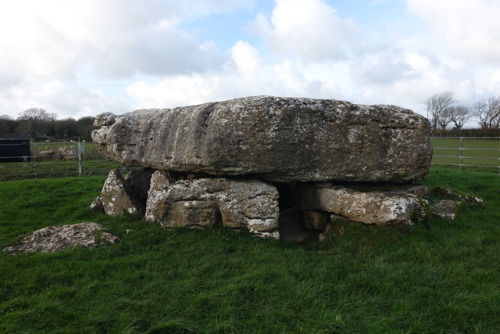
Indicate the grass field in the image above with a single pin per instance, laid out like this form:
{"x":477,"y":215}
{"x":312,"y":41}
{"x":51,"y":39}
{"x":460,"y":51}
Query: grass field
{"x":480,"y":154}
{"x":370,"y":280}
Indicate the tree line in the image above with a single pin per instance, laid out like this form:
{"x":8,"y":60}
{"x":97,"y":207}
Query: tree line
{"x":443,"y":110}
{"x":38,"y":124}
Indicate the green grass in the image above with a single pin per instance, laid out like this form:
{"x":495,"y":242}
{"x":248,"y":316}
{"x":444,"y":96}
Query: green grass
{"x":477,"y":151}
{"x":370,"y":280}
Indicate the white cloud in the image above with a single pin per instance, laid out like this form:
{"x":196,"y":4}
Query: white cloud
{"x":249,"y":76}
{"x":310,"y":28}
{"x":469,"y":27}
{"x":246,"y":59}
{"x":56,"y":97}
{"x":118,"y":38}
{"x":42,"y":42}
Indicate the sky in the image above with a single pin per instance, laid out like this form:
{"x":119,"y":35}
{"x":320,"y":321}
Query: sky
{"x":81,"y":58}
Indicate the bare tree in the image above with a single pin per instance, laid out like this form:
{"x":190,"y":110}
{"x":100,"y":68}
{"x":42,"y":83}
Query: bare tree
{"x":437,"y":109}
{"x":36,"y":122}
{"x":459,"y":115}
{"x":37,"y":114}
{"x":488,"y":112}
{"x":6,"y":117}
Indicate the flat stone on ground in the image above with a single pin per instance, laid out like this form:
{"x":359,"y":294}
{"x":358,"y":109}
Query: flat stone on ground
{"x":56,"y":238}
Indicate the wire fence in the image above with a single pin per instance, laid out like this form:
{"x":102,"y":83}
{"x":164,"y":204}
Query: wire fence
{"x":28,"y":160}
{"x":467,"y":153}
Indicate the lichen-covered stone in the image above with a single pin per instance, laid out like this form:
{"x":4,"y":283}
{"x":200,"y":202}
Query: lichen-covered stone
{"x":159,"y":182}
{"x":369,"y":207}
{"x":454,"y":194}
{"x":97,"y":204}
{"x":275,"y":139}
{"x":68,"y":152}
{"x":117,"y":198}
{"x":446,"y":208}
{"x":249,"y":204}
{"x":56,"y":238}
{"x":192,"y":213}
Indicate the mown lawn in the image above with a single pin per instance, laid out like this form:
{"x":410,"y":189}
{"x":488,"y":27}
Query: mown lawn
{"x":370,"y":280}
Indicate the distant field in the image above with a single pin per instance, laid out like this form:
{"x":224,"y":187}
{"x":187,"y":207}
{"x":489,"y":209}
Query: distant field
{"x":476,"y":154}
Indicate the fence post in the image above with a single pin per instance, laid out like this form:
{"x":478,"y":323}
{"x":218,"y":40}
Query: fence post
{"x":80,"y":169}
{"x":461,"y":151}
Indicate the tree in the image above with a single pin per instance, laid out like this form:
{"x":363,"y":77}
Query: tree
{"x":36,"y":122}
{"x":36,"y":114}
{"x":7,"y":125}
{"x":488,"y":112}
{"x":437,"y":109}
{"x":459,"y":115}
{"x":85,"y":127}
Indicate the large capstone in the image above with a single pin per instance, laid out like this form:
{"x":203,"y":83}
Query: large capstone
{"x":274,"y":139}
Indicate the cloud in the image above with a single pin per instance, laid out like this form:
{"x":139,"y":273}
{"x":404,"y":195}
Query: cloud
{"x":248,"y":76}
{"x":246,"y":58}
{"x":469,"y":27}
{"x":118,"y":38}
{"x":312,"y":29}
{"x":43,"y":42}
{"x":56,"y":97}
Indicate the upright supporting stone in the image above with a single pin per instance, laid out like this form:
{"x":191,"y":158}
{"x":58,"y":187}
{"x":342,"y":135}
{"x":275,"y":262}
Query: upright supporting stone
{"x":117,"y":198}
{"x":249,"y":204}
{"x":369,"y":207}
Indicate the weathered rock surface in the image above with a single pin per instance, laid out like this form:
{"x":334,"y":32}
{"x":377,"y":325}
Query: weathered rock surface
{"x":249,"y":204}
{"x":384,"y":207}
{"x":117,"y":198}
{"x":446,"y":208}
{"x":56,"y":238}
{"x":275,"y":139}
{"x":68,"y":152}
{"x":97,"y":204}
{"x":457,"y":195}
